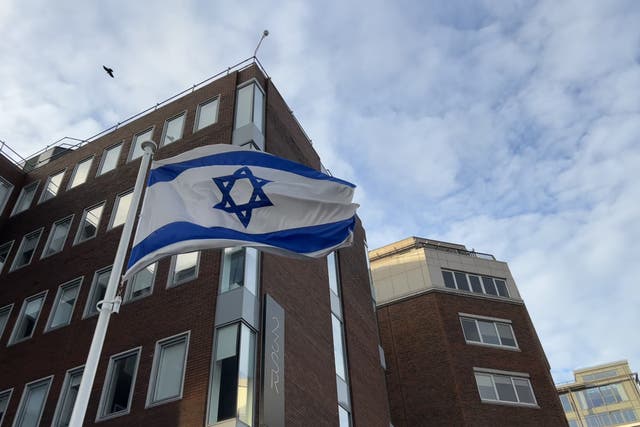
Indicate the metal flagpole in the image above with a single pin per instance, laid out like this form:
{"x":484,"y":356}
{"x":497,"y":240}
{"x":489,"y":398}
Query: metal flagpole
{"x":110,"y":304}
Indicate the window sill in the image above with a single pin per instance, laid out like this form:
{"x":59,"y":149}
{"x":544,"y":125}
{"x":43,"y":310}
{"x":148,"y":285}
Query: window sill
{"x":516,"y":404}
{"x":496,"y":346}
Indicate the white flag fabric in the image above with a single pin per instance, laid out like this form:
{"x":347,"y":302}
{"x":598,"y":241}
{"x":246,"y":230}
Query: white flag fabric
{"x":222,"y":195}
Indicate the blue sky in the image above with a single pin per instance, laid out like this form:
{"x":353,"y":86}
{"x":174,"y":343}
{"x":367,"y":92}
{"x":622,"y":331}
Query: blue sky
{"x":511,"y":127}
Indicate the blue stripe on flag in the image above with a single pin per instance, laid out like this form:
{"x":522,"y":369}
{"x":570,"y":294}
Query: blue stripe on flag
{"x":239,"y":158}
{"x":301,"y":240}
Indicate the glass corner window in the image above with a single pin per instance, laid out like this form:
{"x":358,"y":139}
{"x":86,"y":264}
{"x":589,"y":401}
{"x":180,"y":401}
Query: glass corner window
{"x":184,"y":267}
{"x":250,"y":106}
{"x":239,"y":268}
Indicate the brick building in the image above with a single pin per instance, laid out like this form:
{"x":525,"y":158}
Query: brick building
{"x":459,"y":345}
{"x":188,"y":346}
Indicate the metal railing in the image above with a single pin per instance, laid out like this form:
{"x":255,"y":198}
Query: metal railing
{"x":437,"y":247}
{"x":62,"y":142}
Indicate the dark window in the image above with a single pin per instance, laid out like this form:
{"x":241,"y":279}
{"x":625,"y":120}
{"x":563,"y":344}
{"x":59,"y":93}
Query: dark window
{"x":448,"y":279}
{"x":502,"y":288}
{"x":475,"y":284}
{"x":461,"y":280}
{"x":489,"y":287}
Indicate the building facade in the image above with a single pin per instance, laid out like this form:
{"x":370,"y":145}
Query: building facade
{"x":232,"y":337}
{"x":602,"y":396}
{"x":459,"y":345}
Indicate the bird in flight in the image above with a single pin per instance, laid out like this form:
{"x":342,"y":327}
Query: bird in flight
{"x":108,"y":70}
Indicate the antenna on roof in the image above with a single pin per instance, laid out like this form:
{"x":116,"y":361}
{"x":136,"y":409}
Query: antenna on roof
{"x":265,"y":33}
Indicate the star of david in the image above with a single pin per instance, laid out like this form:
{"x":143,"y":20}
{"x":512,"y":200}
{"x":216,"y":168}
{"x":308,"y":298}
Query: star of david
{"x":257,"y":200}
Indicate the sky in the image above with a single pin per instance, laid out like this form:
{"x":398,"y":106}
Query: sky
{"x":510,"y":127}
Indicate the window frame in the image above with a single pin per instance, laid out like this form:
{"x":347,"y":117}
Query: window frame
{"x":119,"y":196}
{"x":3,"y":203}
{"x":64,"y":392}
{"x":12,"y":338}
{"x":94,"y":281}
{"x":88,"y":159}
{"x":153,"y":377}
{"x":44,"y":254}
{"x":469,"y":284}
{"x":134,"y":142}
{"x":76,"y":240}
{"x":119,"y":145}
{"x":165,"y":127}
{"x":505,"y":374}
{"x":252,"y":82}
{"x":18,"y":416}
{"x":8,"y":393}
{"x":13,"y":267}
{"x":129,"y":289}
{"x":196,"y":122}
{"x":41,"y":199}
{"x":107,"y":384}
{"x":34,"y":185}
{"x":10,"y":244}
{"x":495,"y":322}
{"x":170,"y":280}
{"x":77,"y":282}
{"x":8,"y":309}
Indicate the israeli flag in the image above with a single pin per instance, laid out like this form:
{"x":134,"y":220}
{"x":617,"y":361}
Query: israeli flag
{"x":222,"y":195}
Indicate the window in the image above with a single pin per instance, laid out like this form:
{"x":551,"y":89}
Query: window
{"x":64,"y":304}
{"x":474,"y":283}
{"x":57,"y":236}
{"x":141,"y":284}
{"x":338,"y":347}
{"x":68,"y":395}
{"x":239,"y":268}
{"x":25,"y":198}
{"x":184,"y":267}
{"x":118,"y":384}
{"x":599,"y":396}
{"x":488,"y":331}
{"x":136,"y":144}
{"x":5,"y":249}
{"x":173,"y":129}
{"x":5,"y":192}
{"x":612,"y":418}
{"x":98,"y":289}
{"x":5,"y":312}
{"x":505,"y":388}
{"x":26,"y":250}
{"x":249,"y":106}
{"x":207,"y":114}
{"x":80,"y":173}
{"x":89,"y":224}
{"x":110,"y":159}
{"x":32,"y":403}
{"x":52,"y":186}
{"x":121,"y":209}
{"x":566,"y":403}
{"x":600,"y":375}
{"x":232,"y":385}
{"x":5,"y":396}
{"x":344,"y":417}
{"x":169,"y":365}
{"x":28,"y":318}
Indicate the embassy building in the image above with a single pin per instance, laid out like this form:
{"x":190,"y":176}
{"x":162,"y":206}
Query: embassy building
{"x":232,"y":337}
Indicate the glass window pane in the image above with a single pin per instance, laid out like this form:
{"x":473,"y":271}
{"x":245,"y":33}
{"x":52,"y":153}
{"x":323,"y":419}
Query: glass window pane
{"x":142,"y":283}
{"x":52,"y":187}
{"x":225,"y":375}
{"x":470,"y":330}
{"x":461,"y":280}
{"x":65,"y":304}
{"x":475,"y":284}
{"x":5,"y":191}
{"x":258,"y":108}
{"x":25,"y":198}
{"x":448,"y":279}
{"x":485,"y":387}
{"x":90,"y":222}
{"x":27,"y":249}
{"x":333,"y":273}
{"x":502,"y":287}
{"x":338,"y":348}
{"x":5,"y":248}
{"x":207,"y":114}
{"x":185,"y":267}
{"x":488,"y":332}
{"x":170,"y":370}
{"x":32,"y":404}
{"x":233,"y":269}
{"x":506,"y":335}
{"x":505,"y":389}
{"x":98,"y":290}
{"x":136,"y":145}
{"x":121,"y":209}
{"x":523,"y":388}
{"x":244,"y":106}
{"x":110,"y":159}
{"x":4,"y":402}
{"x":58,"y":237}
{"x":489,"y":287}
{"x":120,"y":384}
{"x":81,"y":173}
{"x":4,"y":318}
{"x":566,"y":403}
{"x":173,"y":130}
{"x":28,"y":319}
{"x":343,"y":417}
{"x":594,"y":398}
{"x":68,"y":398}
{"x":246,"y":375}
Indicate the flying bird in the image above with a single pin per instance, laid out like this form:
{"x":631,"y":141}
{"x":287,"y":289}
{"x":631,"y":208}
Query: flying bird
{"x":108,"y":70}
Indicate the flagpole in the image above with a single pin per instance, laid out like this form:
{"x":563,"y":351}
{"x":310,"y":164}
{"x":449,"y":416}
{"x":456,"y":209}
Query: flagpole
{"x":111,"y":303}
